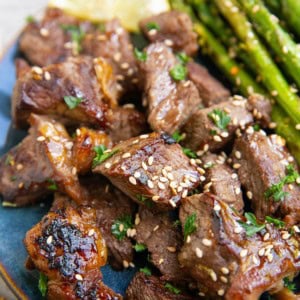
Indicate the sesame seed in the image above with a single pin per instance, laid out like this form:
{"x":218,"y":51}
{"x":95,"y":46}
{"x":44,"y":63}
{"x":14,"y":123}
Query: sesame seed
{"x":160,"y":261}
{"x":206,"y":242}
{"x":224,"y":279}
{"x":144,"y":166}
{"x":236,"y":166}
{"x":126,"y":155}
{"x":21,"y":184}
{"x":274,"y":93}
{"x":225,"y":270}
{"x":266,"y":236}
{"x":19,"y":167}
{"x":172,"y":203}
{"x":150,"y":184}
{"x":156,"y":227}
{"x":296,"y":228}
{"x":238,"y":229}
{"x":199,"y":252}
{"x":243,"y":253}
{"x":272,"y":125}
{"x":249,"y":195}
{"x":255,"y":259}
{"x":217,"y":207}
{"x":297,"y":126}
{"x":237,"y":191}
{"x":213,"y":275}
{"x":152,"y":32}
{"x":121,"y":227}
{"x":170,"y":176}
{"x":155,"y":198}
{"x":286,"y":236}
{"x":117,"y":56}
{"x":221,"y":292}
{"x":44,"y":32}
{"x":224,"y":134}
{"x":37,"y":70}
{"x":124,"y":65}
{"x":184,"y":194}
{"x":125,"y":264}
{"x":234,"y":176}
{"x":261,"y":252}
{"x":135,"y":142}
{"x":47,"y":76}
{"x":49,"y":240}
{"x":217,"y":138}
{"x":119,"y":30}
{"x":74,"y":171}
{"x":161,"y":186}
{"x":137,"y":219}
{"x":270,"y":257}
{"x":238,"y":154}
{"x":78,"y":277}
{"x":202,"y":178}
{"x":150,"y":160}
{"x":41,"y":139}
{"x":91,"y":232}
{"x":201,"y":294}
{"x":171,"y":249}
{"x":168,"y":43}
{"x":132,"y":180}
{"x":188,"y":239}
{"x":144,"y":136}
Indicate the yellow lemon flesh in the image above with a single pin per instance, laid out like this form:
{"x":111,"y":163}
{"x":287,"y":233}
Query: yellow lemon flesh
{"x":130,"y":12}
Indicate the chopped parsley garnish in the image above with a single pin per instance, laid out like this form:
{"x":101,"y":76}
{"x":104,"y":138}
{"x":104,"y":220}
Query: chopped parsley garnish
{"x":172,"y":288}
{"x":220,"y":118}
{"x":102,"y":155}
{"x":178,"y":72}
{"x":289,"y":284}
{"x":140,"y":55}
{"x":256,"y":127}
{"x":9,"y":160}
{"x":251,"y":226}
{"x":144,"y":199}
{"x":13,"y":178}
{"x":140,"y":247}
{"x":152,"y":25}
{"x":278,"y":223}
{"x":30,"y":19}
{"x":77,"y":35}
{"x":72,"y":102}
{"x":177,"y":223}
{"x":52,"y":185}
{"x":189,"y":153}
{"x":189,"y":225}
{"x":276,"y":190}
{"x":43,"y":280}
{"x":146,"y":271}
{"x":177,"y":136}
{"x":183,"y":58}
{"x":120,"y":226}
{"x":213,"y":132}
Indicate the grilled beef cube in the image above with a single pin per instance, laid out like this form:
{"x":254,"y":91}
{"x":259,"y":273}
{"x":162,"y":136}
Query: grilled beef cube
{"x":151,"y":167}
{"x":222,"y":181}
{"x":143,"y":287}
{"x":174,"y":28}
{"x":262,"y":162}
{"x":83,"y":149}
{"x":210,"y":89}
{"x":111,"y":205}
{"x":126,"y":122}
{"x":170,"y":103}
{"x":68,"y":248}
{"x":41,"y":163}
{"x":261,"y":109}
{"x":43,"y":90}
{"x":163,"y":240}
{"x":225,"y":261}
{"x":214,"y":127}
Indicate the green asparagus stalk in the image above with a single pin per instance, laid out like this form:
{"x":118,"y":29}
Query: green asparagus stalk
{"x":291,"y":13}
{"x":286,"y":128}
{"x":278,"y":40}
{"x":266,"y":68}
{"x":273,"y":5}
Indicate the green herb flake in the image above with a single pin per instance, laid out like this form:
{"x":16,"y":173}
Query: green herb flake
{"x":52,"y":185}
{"x":144,"y":199}
{"x":189,"y":225}
{"x":178,"y":72}
{"x":208,"y":165}
{"x":43,"y":280}
{"x":120,"y":226}
{"x":177,"y":223}
{"x":256,"y":127}
{"x":251,"y":226}
{"x":220,"y":118}
{"x":13,"y":178}
{"x":278,"y":223}
{"x":30,"y":19}
{"x":77,"y":35}
{"x":146,"y":271}
{"x":289,"y":284}
{"x":178,"y":137}
{"x":72,"y":102}
{"x":140,"y":247}
{"x":276,"y":190}
{"x":183,"y":58}
{"x":9,"y":160}
{"x":152,"y":25}
{"x":172,"y":288}
{"x":102,"y":155}
{"x":140,"y":55}
{"x":189,"y":153}
{"x":213,"y":132}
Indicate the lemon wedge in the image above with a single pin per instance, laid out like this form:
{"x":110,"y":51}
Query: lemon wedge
{"x":130,"y":12}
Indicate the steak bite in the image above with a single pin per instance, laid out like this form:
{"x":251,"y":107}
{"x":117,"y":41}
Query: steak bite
{"x":263,"y":162}
{"x":143,"y":287}
{"x":163,"y":240}
{"x":170,"y":103}
{"x":210,"y":89}
{"x":88,"y":84}
{"x":68,"y":248}
{"x":214,"y":127}
{"x":225,"y":261}
{"x":222,"y":181}
{"x":173,"y":28}
{"x":39,"y":165}
{"x":151,"y":167}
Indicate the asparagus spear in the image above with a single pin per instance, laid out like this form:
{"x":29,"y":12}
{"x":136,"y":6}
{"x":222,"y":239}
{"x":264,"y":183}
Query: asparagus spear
{"x":286,"y":128}
{"x":266,"y":68}
{"x":277,"y":39}
{"x":291,"y":13}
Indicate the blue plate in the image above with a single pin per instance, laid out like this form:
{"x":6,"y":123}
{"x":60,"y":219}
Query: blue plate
{"x":14,"y":222}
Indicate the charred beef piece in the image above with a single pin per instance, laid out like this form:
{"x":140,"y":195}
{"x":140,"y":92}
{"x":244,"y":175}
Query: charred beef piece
{"x":228,"y":263}
{"x":262,"y":162}
{"x":143,"y":287}
{"x":163,"y":239}
{"x":126,"y":122}
{"x":43,"y":90}
{"x":83,"y":149}
{"x":174,"y":28}
{"x":68,"y":248}
{"x":170,"y":103}
{"x":41,"y":163}
{"x":222,"y":181}
{"x":151,"y":168}
{"x":210,"y":89}
{"x":206,"y":128}
{"x":111,"y":205}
